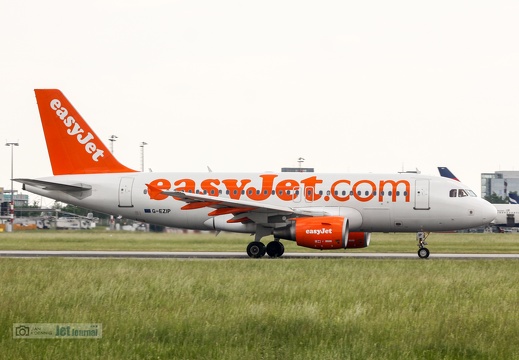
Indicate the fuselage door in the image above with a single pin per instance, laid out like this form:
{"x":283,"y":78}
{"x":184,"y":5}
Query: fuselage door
{"x":125,"y":192}
{"x":421,"y":195}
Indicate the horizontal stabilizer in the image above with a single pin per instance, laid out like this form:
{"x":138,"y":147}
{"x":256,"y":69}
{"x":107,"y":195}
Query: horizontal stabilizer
{"x":47,"y":185}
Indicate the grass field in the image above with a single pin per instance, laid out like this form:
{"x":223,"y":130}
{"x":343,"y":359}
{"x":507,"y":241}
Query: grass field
{"x":262,"y":309}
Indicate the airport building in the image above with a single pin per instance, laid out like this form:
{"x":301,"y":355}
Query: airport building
{"x":500,"y":183}
{"x":20,"y":200}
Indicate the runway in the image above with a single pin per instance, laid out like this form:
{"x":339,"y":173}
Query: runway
{"x":235,"y":255}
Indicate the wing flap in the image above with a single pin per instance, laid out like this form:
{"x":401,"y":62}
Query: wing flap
{"x":243,"y":211}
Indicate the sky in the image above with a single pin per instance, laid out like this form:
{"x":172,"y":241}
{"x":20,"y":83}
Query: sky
{"x":252,"y":86}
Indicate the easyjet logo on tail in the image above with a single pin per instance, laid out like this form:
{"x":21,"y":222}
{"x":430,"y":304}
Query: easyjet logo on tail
{"x":74,"y":129}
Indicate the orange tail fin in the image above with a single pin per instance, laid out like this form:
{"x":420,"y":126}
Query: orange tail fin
{"x":73,"y":146}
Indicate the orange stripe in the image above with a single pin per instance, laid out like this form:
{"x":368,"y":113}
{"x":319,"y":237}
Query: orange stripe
{"x":232,"y":210}
{"x":199,"y":204}
{"x":242,"y":220}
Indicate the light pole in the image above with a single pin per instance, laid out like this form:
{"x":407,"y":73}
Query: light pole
{"x":142,"y":155}
{"x":11,"y":220}
{"x":112,"y":139}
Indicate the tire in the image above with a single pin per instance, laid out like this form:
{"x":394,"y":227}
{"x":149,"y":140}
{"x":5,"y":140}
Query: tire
{"x":275,"y":249}
{"x":256,"y":249}
{"x":423,"y":253}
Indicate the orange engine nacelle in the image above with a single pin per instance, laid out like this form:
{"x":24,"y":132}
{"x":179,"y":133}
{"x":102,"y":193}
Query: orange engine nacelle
{"x":324,"y":232}
{"x":357,"y":240}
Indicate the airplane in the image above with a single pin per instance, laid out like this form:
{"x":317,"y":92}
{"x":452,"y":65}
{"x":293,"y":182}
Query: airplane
{"x":506,"y":213}
{"x":319,"y":211}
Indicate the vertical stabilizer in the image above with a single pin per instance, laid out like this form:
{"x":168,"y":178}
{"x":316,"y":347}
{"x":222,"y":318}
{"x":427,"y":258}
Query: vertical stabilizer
{"x":444,"y":172}
{"x":73,"y":146}
{"x":513,"y":198}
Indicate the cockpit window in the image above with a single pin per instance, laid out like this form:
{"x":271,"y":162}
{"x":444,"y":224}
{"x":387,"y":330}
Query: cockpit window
{"x":461,"y":193}
{"x":471,"y":193}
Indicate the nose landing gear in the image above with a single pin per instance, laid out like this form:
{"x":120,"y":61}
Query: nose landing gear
{"x":423,"y":252}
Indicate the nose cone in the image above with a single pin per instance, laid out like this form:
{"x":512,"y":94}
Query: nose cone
{"x":487,"y":212}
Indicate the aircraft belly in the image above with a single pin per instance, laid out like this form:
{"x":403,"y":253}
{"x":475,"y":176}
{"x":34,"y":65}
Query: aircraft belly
{"x":376,"y":219}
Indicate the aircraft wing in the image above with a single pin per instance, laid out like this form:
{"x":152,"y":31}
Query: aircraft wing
{"x":48,"y":185}
{"x":243,"y":211}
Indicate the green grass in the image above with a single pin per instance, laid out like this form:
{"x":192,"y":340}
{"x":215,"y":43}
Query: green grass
{"x":128,"y":241}
{"x":271,"y":309}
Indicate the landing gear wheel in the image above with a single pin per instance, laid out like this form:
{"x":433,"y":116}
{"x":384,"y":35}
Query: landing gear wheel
{"x":275,"y":249}
{"x":423,"y":253}
{"x":256,"y":249}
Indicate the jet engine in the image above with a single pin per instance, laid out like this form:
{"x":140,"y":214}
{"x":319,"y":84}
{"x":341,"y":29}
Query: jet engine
{"x":357,"y":240}
{"x":322,"y":232}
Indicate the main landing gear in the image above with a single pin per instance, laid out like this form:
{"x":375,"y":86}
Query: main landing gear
{"x":423,"y":252}
{"x":257,"y":249}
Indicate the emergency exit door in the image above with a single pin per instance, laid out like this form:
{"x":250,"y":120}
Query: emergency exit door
{"x":125,"y":192}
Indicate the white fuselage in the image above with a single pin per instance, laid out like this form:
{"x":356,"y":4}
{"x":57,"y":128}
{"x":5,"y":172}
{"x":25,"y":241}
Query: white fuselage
{"x":371,"y":202}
